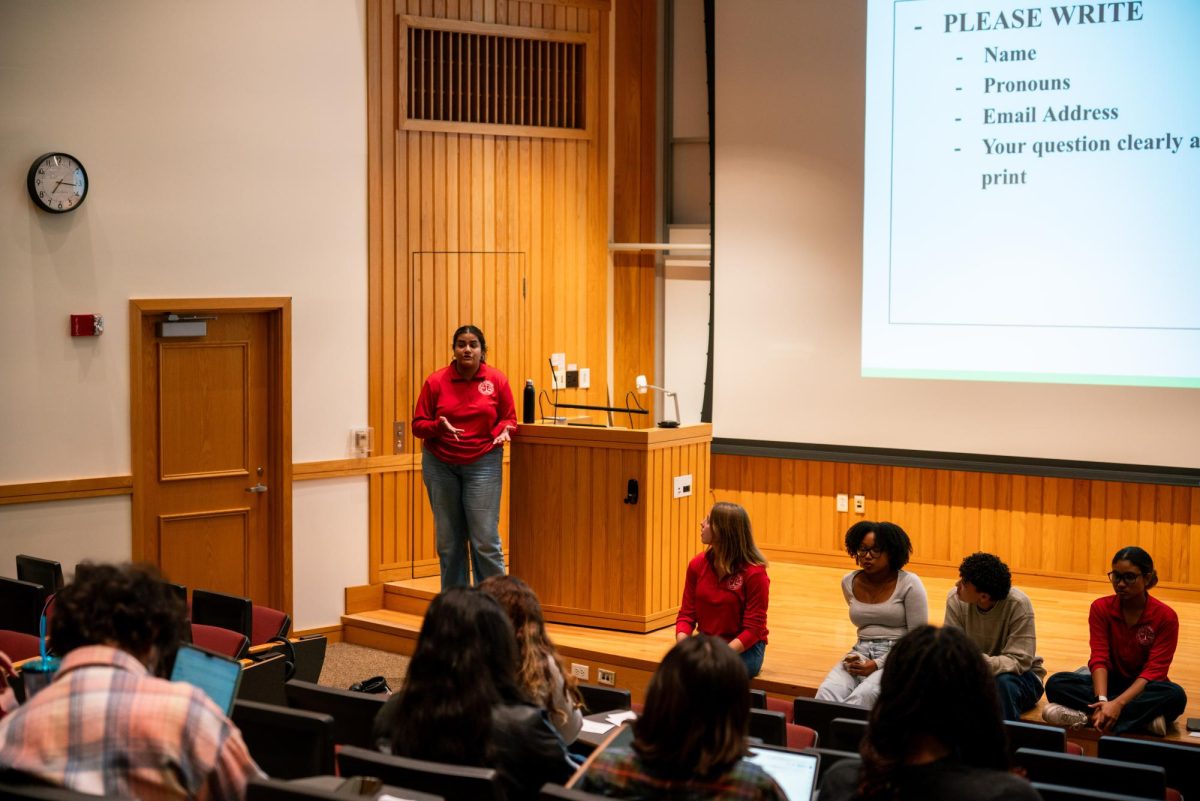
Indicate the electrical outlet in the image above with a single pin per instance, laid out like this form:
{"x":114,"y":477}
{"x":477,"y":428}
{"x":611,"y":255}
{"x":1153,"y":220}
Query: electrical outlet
{"x":843,"y":502}
{"x":608,"y":677}
{"x":683,"y":486}
{"x":580,"y":672}
{"x":860,"y":504}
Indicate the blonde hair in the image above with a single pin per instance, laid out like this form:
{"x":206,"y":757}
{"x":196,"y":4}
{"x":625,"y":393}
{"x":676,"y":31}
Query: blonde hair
{"x":534,"y":649}
{"x":733,"y":545}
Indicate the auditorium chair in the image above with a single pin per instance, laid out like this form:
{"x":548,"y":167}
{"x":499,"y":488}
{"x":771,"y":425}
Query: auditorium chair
{"x":263,"y":679}
{"x":1181,"y":762}
{"x":1093,"y":773}
{"x":21,"y":605}
{"x":353,"y":713}
{"x":1059,"y":792}
{"x":600,"y":698}
{"x":18,"y":645}
{"x":276,"y":790}
{"x":1022,"y":734}
{"x":846,"y":734}
{"x":220,"y":641}
{"x":830,"y":757}
{"x":818,"y":714}
{"x":223,"y":611}
{"x":768,"y":726}
{"x":758,"y":699}
{"x":286,"y":743}
{"x":452,"y":782}
{"x":37,"y":570}
{"x":556,"y":792}
{"x":268,"y":624}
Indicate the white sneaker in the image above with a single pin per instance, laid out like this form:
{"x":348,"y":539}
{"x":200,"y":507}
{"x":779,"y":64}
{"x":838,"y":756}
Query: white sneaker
{"x":1059,"y":715}
{"x":1158,"y":726}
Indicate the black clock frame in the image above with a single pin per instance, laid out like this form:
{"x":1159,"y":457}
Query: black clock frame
{"x":31,"y":185}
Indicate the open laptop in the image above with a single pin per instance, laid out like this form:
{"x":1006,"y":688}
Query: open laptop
{"x":794,"y":771}
{"x":216,"y":675}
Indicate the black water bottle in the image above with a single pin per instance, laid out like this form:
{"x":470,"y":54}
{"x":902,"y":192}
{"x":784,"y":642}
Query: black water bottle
{"x":530,"y":400}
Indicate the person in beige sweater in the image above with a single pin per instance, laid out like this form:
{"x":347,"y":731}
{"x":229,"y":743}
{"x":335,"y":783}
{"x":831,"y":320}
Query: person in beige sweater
{"x":999,"y":619}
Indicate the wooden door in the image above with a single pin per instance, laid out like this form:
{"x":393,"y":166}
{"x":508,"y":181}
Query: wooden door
{"x":449,"y":290}
{"x":205,"y":409}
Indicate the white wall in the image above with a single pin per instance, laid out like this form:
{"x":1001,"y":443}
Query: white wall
{"x":225,"y":143}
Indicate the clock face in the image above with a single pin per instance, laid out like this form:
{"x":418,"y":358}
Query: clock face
{"x":57,"y":182}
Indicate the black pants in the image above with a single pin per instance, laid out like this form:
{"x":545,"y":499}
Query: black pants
{"x":1164,"y":698}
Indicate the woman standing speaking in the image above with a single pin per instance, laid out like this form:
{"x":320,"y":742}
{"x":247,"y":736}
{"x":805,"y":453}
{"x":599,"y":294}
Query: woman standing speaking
{"x":465,"y":414}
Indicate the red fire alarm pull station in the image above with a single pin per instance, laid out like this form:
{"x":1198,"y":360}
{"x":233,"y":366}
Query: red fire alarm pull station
{"x":87,"y":325}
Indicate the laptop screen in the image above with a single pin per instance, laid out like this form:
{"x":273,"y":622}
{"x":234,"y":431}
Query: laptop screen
{"x":217,"y":676}
{"x":794,"y":771}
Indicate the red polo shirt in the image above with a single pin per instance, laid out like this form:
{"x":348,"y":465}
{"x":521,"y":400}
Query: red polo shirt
{"x":1143,"y":650}
{"x":482,"y":406}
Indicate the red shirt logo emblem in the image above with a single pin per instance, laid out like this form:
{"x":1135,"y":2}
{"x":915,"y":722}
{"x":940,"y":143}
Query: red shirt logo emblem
{"x":733,"y":583}
{"x":487,"y":388}
{"x":1145,"y":635}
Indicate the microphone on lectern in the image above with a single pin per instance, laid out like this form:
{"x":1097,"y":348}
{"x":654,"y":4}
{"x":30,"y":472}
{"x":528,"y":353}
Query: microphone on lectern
{"x":643,"y":386}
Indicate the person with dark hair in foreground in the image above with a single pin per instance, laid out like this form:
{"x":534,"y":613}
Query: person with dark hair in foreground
{"x":999,"y":618}
{"x":935,"y":733}
{"x":1133,"y":638}
{"x":726,"y":590}
{"x":107,"y":724}
{"x":539,"y":672}
{"x":885,"y":603}
{"x":461,"y":703}
{"x":690,"y":739}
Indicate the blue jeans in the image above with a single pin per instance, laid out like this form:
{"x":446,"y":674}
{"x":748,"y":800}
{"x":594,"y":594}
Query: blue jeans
{"x":752,"y":657}
{"x":466,"y":512}
{"x":1018,"y":693}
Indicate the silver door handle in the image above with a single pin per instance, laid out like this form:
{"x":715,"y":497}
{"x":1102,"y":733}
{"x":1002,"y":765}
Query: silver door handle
{"x":259,"y":487}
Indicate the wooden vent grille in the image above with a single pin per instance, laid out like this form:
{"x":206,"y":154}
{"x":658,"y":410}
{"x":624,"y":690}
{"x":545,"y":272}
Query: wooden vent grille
{"x":456,"y":76}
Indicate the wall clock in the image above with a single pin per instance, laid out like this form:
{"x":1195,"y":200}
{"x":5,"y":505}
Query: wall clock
{"x":57,"y":182}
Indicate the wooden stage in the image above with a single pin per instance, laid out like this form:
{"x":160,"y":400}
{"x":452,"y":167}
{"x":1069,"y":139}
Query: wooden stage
{"x":809,"y":631}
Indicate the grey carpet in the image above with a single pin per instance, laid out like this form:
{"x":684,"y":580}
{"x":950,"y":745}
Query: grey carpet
{"x":346,"y":664}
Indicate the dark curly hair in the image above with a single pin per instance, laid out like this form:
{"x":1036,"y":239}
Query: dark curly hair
{"x":987,"y":574}
{"x":1140,"y":559}
{"x":936,"y":686}
{"x":128,"y":606}
{"x":889,"y":537}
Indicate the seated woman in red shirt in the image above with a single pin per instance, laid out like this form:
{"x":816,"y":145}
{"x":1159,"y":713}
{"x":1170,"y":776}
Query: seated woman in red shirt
{"x":725,"y":593}
{"x":1133,"y":638}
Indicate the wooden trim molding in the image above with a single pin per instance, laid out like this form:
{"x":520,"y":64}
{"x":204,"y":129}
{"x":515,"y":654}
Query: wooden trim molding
{"x":68,"y":489}
{"x":340,"y":468}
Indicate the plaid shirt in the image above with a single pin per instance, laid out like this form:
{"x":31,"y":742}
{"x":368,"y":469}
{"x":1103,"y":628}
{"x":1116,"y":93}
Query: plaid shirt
{"x":619,"y":772}
{"x":105,"y":726}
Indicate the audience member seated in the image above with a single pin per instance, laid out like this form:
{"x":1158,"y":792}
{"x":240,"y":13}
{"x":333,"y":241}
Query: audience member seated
{"x":461,"y":702}
{"x":935,"y":733}
{"x":726,"y":589}
{"x":1133,"y":639}
{"x":540,"y":672}
{"x":690,"y":739}
{"x":885,"y":603}
{"x":999,"y":619}
{"x":107,"y":724}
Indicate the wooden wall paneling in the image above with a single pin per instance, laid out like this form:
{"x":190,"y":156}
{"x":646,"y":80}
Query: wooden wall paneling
{"x":1049,"y":530}
{"x":474,"y":193}
{"x":634,"y":193}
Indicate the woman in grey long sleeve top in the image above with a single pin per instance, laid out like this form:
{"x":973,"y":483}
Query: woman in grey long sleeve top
{"x":886,"y":602}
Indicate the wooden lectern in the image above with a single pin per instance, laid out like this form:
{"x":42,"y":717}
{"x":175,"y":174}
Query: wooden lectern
{"x":595,"y":554}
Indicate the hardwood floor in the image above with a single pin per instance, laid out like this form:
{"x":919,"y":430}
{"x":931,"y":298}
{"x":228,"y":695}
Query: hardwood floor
{"x":809,"y":632}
